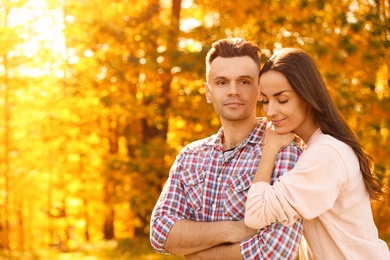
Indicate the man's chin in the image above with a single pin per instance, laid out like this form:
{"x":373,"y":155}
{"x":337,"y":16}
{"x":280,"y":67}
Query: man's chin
{"x":236,"y":118}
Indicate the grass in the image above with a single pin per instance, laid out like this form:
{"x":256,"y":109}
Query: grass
{"x":126,"y":249}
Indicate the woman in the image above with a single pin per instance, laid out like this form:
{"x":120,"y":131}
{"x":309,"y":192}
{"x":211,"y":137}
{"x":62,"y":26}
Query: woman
{"x":331,"y":184}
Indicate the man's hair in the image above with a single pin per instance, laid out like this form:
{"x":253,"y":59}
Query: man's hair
{"x":229,"y":48}
{"x":306,"y":80}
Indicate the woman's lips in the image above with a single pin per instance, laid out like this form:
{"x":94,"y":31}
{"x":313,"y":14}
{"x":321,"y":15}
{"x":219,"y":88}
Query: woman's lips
{"x":277,"y":122}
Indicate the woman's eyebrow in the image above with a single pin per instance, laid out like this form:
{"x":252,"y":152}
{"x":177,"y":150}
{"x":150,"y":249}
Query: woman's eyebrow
{"x":277,"y":93}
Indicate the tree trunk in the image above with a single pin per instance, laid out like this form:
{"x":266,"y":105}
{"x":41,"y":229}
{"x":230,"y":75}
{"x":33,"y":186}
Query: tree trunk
{"x":109,"y":187}
{"x":5,"y":169}
{"x":151,"y":132}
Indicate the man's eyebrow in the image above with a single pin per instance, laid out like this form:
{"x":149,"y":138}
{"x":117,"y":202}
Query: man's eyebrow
{"x":277,"y":93}
{"x":245,"y":77}
{"x":219,"y":77}
{"x":240,"y":77}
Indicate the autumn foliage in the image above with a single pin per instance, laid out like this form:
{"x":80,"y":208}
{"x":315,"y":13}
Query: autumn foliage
{"x":98,"y":97}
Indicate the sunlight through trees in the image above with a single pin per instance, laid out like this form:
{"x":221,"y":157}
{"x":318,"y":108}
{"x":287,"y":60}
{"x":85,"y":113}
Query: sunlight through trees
{"x":97,"y":98}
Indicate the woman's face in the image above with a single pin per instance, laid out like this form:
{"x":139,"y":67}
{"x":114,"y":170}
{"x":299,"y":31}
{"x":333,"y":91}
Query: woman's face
{"x":287,"y":111}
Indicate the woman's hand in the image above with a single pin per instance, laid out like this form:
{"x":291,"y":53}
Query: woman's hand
{"x":275,"y":140}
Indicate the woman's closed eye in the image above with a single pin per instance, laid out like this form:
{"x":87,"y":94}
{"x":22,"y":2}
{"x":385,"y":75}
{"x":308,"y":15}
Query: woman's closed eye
{"x":266,"y":101}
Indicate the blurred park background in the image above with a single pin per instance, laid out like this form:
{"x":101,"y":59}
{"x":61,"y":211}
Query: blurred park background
{"x":98,"y":96}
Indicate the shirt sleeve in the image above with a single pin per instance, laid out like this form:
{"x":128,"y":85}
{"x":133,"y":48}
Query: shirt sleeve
{"x":275,"y":241}
{"x":169,"y":208}
{"x":307,"y":191}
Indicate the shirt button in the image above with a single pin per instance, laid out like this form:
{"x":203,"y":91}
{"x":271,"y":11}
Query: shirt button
{"x":214,"y":206}
{"x":190,"y":182}
{"x":219,"y":179}
{"x":221,"y":156}
{"x":239,"y":187}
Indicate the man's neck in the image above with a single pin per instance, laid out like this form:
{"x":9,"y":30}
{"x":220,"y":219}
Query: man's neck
{"x":236,"y":131}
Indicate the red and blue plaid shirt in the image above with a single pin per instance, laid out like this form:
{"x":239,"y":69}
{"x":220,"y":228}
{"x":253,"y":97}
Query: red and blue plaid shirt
{"x":205,"y":185}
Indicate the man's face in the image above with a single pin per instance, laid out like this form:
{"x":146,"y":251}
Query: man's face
{"x":233,"y":88}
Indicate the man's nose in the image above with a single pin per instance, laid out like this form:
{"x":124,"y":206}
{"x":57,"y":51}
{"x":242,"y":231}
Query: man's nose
{"x":233,"y":89}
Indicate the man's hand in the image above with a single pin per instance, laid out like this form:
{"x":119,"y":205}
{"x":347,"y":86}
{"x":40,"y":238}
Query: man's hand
{"x":239,"y":231}
{"x":225,"y":252}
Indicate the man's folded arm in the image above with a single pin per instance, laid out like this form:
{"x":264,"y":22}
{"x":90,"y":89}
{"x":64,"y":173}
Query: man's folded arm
{"x":188,"y":237}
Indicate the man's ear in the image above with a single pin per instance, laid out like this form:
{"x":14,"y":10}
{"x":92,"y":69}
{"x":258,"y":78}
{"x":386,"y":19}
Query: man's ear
{"x":207,"y":93}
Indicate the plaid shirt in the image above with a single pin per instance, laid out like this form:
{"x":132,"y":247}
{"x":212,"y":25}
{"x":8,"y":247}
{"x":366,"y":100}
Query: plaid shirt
{"x":204,"y":185}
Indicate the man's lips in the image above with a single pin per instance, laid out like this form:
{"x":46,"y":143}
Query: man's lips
{"x":233,"y":104}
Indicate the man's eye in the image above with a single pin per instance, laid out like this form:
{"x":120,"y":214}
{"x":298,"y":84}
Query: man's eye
{"x":221,"y":83}
{"x":245,"y":82}
{"x":264,"y":101}
{"x":283,"y":101}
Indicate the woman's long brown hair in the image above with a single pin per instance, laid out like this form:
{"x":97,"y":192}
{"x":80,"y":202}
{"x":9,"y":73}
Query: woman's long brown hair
{"x":306,"y":80}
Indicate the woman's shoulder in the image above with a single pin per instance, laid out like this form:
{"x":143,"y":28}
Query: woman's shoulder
{"x":326,"y":143}
{"x":327,"y":156}
{"x":326,"y":139}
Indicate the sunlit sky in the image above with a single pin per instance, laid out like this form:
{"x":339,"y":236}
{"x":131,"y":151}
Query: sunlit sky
{"x":45,"y":26}
{"x":48,"y":24}
{"x":43,"y":29}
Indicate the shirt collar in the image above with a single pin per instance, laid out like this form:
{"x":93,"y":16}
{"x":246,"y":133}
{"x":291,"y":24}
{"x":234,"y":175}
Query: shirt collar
{"x":254,"y":137}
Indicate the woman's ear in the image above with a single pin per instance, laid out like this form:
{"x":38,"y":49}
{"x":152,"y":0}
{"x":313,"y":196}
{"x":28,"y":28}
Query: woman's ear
{"x":207,"y":93}
{"x":259,"y":97}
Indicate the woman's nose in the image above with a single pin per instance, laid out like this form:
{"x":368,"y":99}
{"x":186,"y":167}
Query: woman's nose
{"x":270,"y":109}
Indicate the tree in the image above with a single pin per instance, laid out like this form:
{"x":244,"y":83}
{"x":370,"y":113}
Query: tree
{"x":94,"y":112}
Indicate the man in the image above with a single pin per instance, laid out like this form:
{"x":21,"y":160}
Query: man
{"x":200,"y":211}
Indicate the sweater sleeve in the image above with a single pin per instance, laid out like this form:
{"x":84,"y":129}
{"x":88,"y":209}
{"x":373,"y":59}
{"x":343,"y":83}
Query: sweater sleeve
{"x":307,"y":190}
